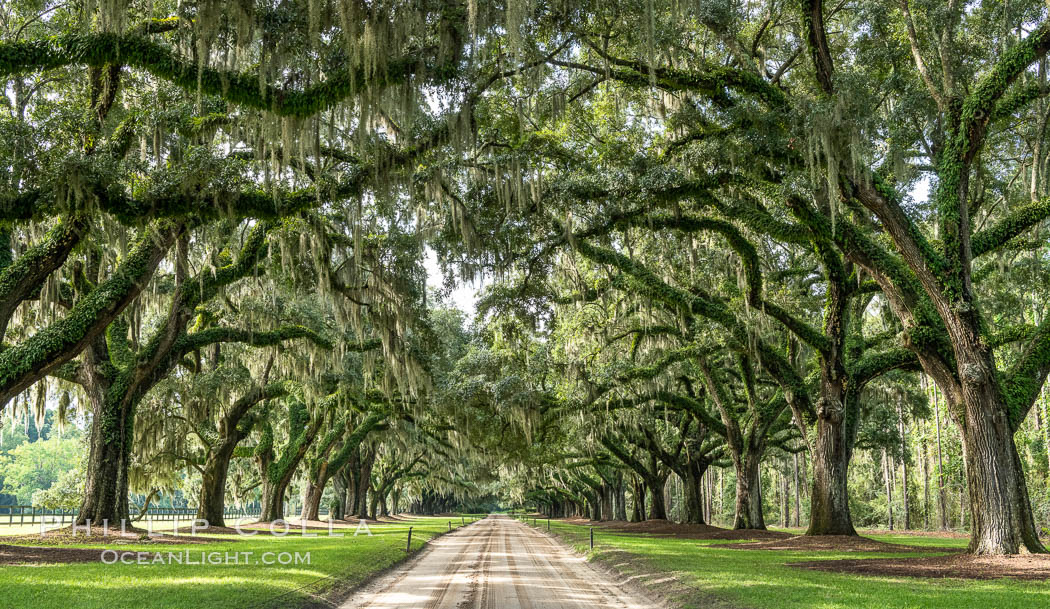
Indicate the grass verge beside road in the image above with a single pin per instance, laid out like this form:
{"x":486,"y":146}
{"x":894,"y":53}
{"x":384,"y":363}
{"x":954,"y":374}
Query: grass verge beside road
{"x":334,"y":563}
{"x":707,"y":574}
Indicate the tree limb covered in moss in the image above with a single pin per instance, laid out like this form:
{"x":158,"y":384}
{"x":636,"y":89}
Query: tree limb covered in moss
{"x":700,"y":304}
{"x":34,"y":358}
{"x":254,"y":338}
{"x":1024,"y":380}
{"x":241,"y":88}
{"x":22,"y":278}
{"x":1015,"y":223}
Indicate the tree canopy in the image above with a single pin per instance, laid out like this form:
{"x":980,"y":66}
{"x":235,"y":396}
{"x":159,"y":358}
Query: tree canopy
{"x":751,"y":241}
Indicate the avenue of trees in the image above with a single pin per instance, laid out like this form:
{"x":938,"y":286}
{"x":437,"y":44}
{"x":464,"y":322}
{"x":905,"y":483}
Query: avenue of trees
{"x":742,"y":260}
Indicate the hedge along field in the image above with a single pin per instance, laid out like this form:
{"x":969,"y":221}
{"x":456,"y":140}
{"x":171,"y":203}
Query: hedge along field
{"x":347,"y":561}
{"x":711,"y":574}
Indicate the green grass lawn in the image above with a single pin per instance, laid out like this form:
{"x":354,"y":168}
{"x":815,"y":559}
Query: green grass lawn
{"x":92,"y":585}
{"x":760,"y":579}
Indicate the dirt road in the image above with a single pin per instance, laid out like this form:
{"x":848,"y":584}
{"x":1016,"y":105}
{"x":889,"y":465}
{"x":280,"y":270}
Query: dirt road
{"x":496,"y":563}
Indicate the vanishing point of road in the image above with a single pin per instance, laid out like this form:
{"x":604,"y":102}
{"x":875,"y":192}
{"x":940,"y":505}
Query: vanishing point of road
{"x":496,"y":563}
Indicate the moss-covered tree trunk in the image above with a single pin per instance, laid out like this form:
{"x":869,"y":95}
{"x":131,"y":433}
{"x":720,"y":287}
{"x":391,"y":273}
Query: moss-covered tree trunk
{"x":364,"y":478}
{"x":658,"y":504}
{"x":264,"y":455}
{"x":694,"y":492}
{"x":233,"y":427}
{"x":749,"y":491}
{"x":322,"y":467}
{"x":106,"y":489}
{"x":302,"y":430}
{"x":339,"y":487}
{"x":211,"y":502}
{"x":312,"y":496}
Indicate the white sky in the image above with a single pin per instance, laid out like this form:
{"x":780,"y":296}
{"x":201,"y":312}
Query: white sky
{"x":463,"y":297}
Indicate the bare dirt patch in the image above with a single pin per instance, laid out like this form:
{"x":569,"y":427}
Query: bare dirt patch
{"x":836,"y":543}
{"x":916,"y":533}
{"x":962,"y":566}
{"x":666,"y":528}
{"x":31,"y":555}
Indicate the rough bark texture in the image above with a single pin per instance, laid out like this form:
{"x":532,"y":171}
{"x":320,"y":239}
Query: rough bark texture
{"x":657,"y":506}
{"x":312,"y":500}
{"x":212,"y":499}
{"x":694,"y":497}
{"x":998,"y":496}
{"x":749,"y":493}
{"x":339,"y":486}
{"x":303,"y":431}
{"x":829,"y":503}
{"x":363,"y":484}
{"x":106,"y":490}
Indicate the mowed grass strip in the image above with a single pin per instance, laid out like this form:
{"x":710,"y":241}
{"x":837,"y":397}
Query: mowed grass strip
{"x":761,"y":579}
{"x":348,"y":560}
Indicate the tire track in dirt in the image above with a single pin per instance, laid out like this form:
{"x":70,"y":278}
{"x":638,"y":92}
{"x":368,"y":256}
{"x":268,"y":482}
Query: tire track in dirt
{"x":514,"y":574}
{"x":583,"y":576}
{"x":451,"y":573}
{"x":479,"y":577}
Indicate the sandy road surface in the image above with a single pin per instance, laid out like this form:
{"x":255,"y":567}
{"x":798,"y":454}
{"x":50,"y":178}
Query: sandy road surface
{"x":496,"y":563}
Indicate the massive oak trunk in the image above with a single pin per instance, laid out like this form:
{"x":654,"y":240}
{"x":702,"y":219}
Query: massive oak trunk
{"x":832,"y":449}
{"x":303,"y":430}
{"x":212,"y":499}
{"x":694,"y":493}
{"x":106,"y":490}
{"x":233,"y":427}
{"x":273,"y":501}
{"x":363,"y":482}
{"x":607,"y":502}
{"x":998,"y":495}
{"x":312,"y":498}
{"x":749,"y":492}
{"x":1002,"y":520}
{"x":339,"y":486}
{"x":658,"y":505}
